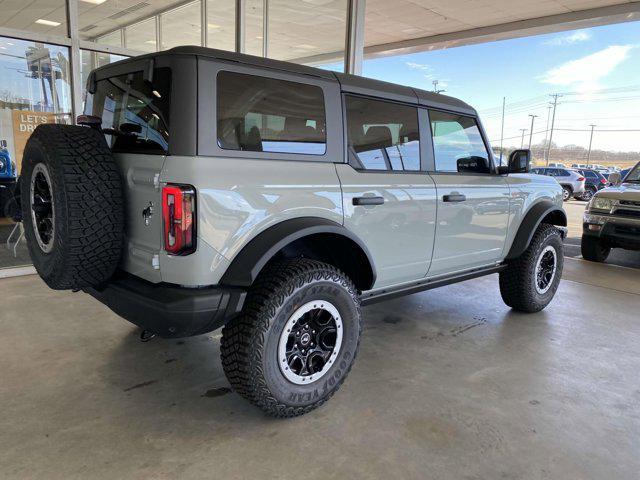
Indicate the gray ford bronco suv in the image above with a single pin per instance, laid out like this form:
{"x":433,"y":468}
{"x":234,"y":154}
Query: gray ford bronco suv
{"x":206,"y":189}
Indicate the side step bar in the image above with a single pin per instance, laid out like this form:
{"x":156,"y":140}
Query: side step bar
{"x":368,"y":298}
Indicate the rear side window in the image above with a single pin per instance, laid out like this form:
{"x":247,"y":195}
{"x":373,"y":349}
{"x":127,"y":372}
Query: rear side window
{"x":458,"y":144}
{"x":382,"y":135}
{"x":134,"y":113}
{"x":260,"y":114}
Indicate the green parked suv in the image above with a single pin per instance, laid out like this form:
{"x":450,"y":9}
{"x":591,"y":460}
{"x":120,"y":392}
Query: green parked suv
{"x":209,"y":189}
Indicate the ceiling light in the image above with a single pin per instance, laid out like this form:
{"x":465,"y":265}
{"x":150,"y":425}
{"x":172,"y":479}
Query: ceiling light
{"x":50,"y":23}
{"x":213,"y":25}
{"x":94,"y":2}
{"x":156,"y":93}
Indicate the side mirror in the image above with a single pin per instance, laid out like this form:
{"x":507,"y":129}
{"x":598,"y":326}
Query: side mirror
{"x":615,"y":178}
{"x":519,"y":161}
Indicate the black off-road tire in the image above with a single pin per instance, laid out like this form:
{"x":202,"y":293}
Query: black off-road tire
{"x":518,"y":280}
{"x":593,"y":249}
{"x":250,"y":341}
{"x":86,"y":189}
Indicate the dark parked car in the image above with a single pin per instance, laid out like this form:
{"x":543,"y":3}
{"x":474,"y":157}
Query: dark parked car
{"x":594,"y":181}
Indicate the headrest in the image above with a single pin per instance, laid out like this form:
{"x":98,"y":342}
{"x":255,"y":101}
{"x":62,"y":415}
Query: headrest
{"x":377,"y":137}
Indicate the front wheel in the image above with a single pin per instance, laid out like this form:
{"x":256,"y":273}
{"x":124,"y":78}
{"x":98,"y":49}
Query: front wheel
{"x":593,"y":249}
{"x":296,"y":339}
{"x":530,"y":281}
{"x":588,"y":194}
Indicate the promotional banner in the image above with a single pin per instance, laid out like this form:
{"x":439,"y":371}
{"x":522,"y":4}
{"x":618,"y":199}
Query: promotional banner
{"x":24,"y":123}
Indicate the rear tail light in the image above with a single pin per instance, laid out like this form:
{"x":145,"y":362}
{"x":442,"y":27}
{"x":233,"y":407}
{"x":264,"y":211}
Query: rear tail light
{"x":581,"y":179}
{"x":179,"y":219}
{"x":603,"y":180}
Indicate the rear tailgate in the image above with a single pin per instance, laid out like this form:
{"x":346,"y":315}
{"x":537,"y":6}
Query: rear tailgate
{"x":143,"y":214}
{"x":134,"y":113}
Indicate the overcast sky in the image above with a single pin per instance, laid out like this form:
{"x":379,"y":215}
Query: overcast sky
{"x":598,"y":70}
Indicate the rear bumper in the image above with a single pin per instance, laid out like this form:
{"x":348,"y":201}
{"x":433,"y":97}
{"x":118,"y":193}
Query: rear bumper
{"x":167,"y":310}
{"x":613,"y":231}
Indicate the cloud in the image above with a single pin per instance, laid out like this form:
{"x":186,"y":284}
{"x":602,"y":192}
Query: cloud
{"x":570,"y":39}
{"x":418,"y":66}
{"x":584,"y":73}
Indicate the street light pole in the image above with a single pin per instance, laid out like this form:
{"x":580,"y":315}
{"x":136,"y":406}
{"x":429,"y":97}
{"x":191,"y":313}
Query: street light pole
{"x":523,"y":130}
{"x":590,"y":143}
{"x":533,"y":117}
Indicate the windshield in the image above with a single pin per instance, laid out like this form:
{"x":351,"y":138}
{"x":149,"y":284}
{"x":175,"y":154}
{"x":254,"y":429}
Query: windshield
{"x":633,"y":175}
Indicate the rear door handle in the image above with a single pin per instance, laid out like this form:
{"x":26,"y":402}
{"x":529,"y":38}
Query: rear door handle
{"x":454,"y":197}
{"x":368,"y":200}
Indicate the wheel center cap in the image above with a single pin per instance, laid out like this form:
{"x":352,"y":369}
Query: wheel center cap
{"x":305,"y":339}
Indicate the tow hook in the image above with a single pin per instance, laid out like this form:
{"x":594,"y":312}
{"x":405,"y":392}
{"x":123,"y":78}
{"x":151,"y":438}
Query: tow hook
{"x":146,"y":335}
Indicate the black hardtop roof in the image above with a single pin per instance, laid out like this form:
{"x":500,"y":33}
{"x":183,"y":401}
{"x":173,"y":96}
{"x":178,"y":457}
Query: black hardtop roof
{"x":348,"y":83}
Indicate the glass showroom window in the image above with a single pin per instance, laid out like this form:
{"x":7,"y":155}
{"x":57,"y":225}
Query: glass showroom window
{"x":221,"y":22}
{"x":34,"y":89}
{"x":301,"y":30}
{"x":181,"y":26}
{"x":141,"y":36}
{"x":92,"y":60}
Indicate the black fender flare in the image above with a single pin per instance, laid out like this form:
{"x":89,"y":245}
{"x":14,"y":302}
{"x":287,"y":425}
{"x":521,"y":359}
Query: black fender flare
{"x":252,"y":258}
{"x":532,"y":220}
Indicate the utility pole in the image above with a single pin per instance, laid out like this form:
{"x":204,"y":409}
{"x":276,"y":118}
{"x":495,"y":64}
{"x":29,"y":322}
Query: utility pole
{"x":533,"y":117}
{"x":435,"y":87}
{"x":504,"y":100}
{"x":546,"y":133}
{"x":590,"y":143}
{"x":523,"y":130}
{"x":553,"y":122}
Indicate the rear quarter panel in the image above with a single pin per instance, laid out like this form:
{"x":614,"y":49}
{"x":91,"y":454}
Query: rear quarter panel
{"x":238,"y":199}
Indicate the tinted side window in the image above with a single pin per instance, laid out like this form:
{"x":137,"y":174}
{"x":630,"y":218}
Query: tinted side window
{"x":563,"y":173}
{"x":382,"y":135}
{"x":457,"y":144}
{"x":261,"y":114}
{"x":590,"y":174}
{"x":135,"y":114}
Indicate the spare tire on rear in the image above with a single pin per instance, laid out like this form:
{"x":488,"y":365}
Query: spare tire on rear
{"x":72,"y":206}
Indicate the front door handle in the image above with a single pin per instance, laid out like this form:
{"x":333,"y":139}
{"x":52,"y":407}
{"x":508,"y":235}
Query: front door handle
{"x":454,"y":197}
{"x":368,"y":201}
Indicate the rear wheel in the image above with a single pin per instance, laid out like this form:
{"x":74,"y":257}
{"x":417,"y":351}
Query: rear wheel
{"x":530,"y":282}
{"x":593,"y":249}
{"x":296,"y":339}
{"x":567,"y":191}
